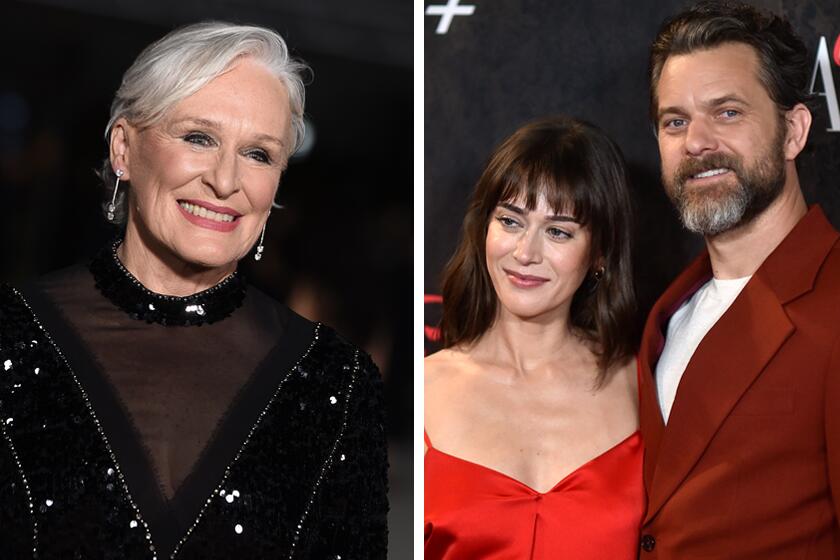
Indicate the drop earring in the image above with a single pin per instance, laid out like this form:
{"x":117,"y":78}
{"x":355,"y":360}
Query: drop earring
{"x":112,"y":206}
{"x":260,"y":248}
{"x":597,"y":275}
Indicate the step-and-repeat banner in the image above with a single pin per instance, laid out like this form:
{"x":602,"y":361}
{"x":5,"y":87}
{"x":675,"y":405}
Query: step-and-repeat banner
{"x":492,"y":65}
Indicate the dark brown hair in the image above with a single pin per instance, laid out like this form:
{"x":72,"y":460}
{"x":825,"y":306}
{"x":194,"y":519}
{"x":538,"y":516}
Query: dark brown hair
{"x":783,"y":58}
{"x":579,"y":170}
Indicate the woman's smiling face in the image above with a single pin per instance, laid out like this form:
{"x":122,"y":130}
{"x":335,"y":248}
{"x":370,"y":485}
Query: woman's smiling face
{"x":204,"y":177}
{"x":536,"y":259}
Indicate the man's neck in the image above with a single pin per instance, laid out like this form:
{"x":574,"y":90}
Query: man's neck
{"x":739,"y":252}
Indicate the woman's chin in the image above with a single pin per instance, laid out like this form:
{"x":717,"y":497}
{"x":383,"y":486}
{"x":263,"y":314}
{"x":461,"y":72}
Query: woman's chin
{"x":532,"y":311}
{"x":209,"y":256}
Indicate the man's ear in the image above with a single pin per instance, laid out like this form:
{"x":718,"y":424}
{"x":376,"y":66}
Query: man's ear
{"x":798,"y":125}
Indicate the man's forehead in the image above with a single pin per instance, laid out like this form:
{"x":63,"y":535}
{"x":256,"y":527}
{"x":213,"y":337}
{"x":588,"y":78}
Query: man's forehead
{"x":722,"y":57}
{"x":717,"y":72}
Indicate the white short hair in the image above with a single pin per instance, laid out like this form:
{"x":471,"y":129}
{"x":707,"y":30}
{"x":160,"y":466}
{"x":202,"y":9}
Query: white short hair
{"x":185,"y":60}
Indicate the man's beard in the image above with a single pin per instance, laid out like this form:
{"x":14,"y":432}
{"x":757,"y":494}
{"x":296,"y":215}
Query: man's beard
{"x":714,"y":209}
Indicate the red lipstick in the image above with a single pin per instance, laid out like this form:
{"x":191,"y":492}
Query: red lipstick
{"x":207,"y":223}
{"x":214,"y":208}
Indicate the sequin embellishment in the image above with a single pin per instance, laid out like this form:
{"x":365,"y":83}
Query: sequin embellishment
{"x":221,"y":492}
{"x":103,"y":437}
{"x":304,"y":482}
{"x":329,"y":461}
{"x":126,"y":292}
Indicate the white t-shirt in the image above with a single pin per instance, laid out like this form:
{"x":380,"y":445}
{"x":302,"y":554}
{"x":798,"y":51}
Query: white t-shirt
{"x":686,"y":330}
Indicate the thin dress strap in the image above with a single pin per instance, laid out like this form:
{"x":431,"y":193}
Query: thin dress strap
{"x":426,"y":439}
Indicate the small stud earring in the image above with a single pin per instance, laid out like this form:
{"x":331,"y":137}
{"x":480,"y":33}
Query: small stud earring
{"x":599,"y":273}
{"x":260,"y":248}
{"x":112,"y":206}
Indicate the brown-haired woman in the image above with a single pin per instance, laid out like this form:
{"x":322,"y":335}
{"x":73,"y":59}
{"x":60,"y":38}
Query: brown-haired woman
{"x":531,"y":409}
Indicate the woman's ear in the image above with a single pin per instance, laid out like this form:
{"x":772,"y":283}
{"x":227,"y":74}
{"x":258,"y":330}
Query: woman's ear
{"x":120,"y":151}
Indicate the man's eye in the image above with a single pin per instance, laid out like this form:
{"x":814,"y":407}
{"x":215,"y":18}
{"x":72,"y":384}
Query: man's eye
{"x":730,"y":113}
{"x":674,"y":123}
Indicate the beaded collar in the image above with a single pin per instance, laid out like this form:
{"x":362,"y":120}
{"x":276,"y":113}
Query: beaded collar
{"x":117,"y":284}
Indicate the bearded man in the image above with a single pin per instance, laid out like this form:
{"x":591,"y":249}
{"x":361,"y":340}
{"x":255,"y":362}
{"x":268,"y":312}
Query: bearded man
{"x":740,"y":358}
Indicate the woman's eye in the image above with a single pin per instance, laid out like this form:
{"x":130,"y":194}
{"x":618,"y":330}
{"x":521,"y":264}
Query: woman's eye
{"x":507,"y":221}
{"x":557,"y":233}
{"x":259,"y":155}
{"x":199,"y":139}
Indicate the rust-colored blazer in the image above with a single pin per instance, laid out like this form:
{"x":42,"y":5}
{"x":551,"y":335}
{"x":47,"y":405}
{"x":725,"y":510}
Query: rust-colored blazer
{"x":748,"y":467}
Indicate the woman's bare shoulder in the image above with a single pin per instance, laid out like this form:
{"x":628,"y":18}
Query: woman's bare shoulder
{"x":446,"y":375}
{"x":444,"y":364}
{"x":439,"y":371}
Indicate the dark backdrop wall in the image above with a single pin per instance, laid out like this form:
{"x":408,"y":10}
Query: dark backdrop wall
{"x":511,"y":61}
{"x":341,"y":250}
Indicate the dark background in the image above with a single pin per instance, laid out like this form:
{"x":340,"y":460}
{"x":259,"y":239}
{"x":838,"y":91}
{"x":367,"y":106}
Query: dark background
{"x":341,"y":250}
{"x":515,"y":60}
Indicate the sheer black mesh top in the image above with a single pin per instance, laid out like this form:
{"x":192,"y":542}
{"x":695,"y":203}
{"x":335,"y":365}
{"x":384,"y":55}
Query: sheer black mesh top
{"x":252,"y":434}
{"x":175,"y":384}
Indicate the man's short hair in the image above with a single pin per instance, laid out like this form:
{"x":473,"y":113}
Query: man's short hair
{"x":784,"y":67}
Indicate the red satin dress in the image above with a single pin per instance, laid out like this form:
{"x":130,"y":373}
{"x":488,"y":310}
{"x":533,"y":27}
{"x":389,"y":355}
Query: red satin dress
{"x":594,"y":513}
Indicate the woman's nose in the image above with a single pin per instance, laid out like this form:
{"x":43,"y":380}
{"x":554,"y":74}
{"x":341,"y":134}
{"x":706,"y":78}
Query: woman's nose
{"x":528,"y":249}
{"x":223,"y":176}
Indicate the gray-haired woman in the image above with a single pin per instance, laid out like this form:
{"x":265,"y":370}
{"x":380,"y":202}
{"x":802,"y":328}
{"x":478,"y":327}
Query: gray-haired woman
{"x":130,"y":432}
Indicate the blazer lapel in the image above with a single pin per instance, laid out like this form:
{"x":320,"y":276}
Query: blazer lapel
{"x":732,"y":354}
{"x":650,"y":414}
{"x":724,"y":365}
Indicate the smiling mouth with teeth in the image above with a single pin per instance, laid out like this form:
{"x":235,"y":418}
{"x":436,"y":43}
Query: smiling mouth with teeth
{"x":202,"y":212}
{"x":710,"y":173}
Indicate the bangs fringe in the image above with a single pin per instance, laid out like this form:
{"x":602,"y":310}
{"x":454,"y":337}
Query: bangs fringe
{"x":548,"y":170}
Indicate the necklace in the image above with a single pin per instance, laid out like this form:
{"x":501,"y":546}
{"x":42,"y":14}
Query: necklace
{"x":117,"y":284}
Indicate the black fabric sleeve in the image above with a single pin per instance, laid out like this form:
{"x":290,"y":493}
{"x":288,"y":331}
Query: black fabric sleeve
{"x":352,"y":504}
{"x":16,"y":521}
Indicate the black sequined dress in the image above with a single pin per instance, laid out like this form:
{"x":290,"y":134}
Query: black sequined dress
{"x":221,"y":425}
